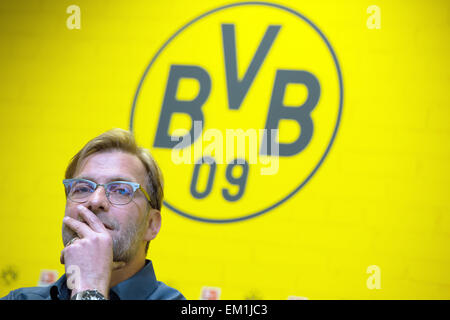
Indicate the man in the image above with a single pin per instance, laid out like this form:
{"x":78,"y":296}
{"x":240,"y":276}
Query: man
{"x":114,"y":191}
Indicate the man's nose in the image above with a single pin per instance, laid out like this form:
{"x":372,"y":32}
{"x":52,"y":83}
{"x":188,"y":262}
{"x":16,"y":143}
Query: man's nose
{"x":98,"y":201}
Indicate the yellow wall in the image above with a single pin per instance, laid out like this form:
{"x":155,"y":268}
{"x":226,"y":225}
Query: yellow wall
{"x":379,"y":198}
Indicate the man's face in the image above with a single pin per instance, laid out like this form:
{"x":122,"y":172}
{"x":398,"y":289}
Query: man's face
{"x":128,"y":224}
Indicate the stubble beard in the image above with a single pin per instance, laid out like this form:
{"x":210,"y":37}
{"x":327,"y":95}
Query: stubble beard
{"x":126,"y":244}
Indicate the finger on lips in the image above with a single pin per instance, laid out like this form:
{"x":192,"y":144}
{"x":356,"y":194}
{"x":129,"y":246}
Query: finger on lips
{"x":82,"y":229}
{"x":86,"y":226}
{"x":91,"y":219}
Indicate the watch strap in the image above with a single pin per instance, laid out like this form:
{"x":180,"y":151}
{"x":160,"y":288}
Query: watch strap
{"x":88,"y":295}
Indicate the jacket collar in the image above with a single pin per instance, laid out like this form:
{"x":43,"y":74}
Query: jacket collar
{"x":139,"y":286}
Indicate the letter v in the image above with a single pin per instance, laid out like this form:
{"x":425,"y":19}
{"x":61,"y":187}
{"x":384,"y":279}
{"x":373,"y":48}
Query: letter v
{"x":237,"y":89}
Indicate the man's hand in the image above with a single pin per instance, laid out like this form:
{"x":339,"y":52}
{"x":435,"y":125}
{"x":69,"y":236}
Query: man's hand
{"x":92,"y":254}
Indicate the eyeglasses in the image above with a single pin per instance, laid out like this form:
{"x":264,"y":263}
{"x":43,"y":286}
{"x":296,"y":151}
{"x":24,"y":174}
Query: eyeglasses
{"x":117,"y":192}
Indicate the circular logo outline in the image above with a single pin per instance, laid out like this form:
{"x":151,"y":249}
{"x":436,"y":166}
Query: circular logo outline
{"x":327,"y":150}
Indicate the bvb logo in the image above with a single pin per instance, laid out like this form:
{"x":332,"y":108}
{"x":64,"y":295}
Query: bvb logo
{"x":240,"y":107}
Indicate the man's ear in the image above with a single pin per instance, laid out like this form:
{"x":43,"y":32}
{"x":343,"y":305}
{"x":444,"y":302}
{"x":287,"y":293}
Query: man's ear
{"x":154,"y":224}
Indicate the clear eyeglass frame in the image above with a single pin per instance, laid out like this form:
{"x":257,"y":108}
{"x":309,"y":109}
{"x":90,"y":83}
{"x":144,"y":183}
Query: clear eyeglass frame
{"x":69,"y":182}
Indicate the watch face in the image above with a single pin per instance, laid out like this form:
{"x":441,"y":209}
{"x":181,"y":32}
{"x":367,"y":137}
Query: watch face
{"x":90,"y":295}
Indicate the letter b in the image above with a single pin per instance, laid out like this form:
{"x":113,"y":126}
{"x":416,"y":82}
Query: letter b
{"x":301,"y":114}
{"x":172,"y":105}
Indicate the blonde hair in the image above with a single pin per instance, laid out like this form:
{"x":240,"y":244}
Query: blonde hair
{"x":123,"y":140}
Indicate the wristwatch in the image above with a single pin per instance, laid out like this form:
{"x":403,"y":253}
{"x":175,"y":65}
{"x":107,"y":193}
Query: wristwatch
{"x":88,"y":295}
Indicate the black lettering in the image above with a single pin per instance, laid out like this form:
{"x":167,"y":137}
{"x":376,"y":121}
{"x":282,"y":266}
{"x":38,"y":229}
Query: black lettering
{"x":237,"y":89}
{"x":301,"y":114}
{"x":172,"y":105}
